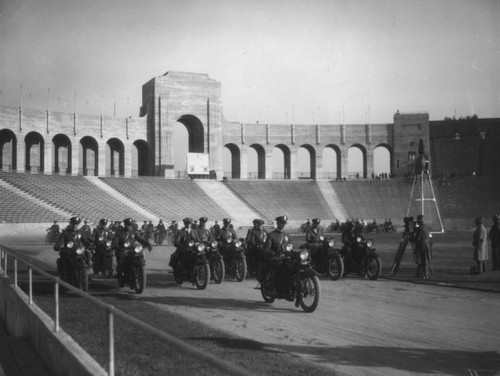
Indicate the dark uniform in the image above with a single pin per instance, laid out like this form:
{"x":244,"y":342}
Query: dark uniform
{"x":275,"y":247}
{"x":203,"y":233}
{"x":255,"y":240}
{"x":423,"y":251}
{"x":179,"y":257}
{"x":313,"y":237}
{"x":61,"y":246}
{"x":494,"y":236}
{"x":100,"y":236}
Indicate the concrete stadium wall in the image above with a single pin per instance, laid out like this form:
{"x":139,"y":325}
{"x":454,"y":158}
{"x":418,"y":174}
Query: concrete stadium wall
{"x":58,"y":351}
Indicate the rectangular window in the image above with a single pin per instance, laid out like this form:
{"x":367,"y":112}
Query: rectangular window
{"x":412,"y":155}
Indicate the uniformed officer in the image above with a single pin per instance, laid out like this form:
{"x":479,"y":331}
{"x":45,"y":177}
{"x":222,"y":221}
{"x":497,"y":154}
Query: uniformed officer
{"x":255,"y":240}
{"x":184,"y":236}
{"x":203,"y":233}
{"x":494,"y":236}
{"x":67,"y":235}
{"x":313,"y":237}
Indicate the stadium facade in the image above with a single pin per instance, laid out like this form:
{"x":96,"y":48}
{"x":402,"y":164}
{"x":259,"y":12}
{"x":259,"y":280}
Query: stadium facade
{"x":49,"y":142}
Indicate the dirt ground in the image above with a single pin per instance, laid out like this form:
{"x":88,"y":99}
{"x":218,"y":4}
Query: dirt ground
{"x":448,"y":325}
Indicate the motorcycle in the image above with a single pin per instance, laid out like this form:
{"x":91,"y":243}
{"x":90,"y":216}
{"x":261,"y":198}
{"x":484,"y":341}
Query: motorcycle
{"x":51,"y":236}
{"x":132,"y":266}
{"x":216,"y":262}
{"x":235,"y":262}
{"x":353,"y":259}
{"x":104,"y":258}
{"x":74,"y":264}
{"x":304,"y":285}
{"x":325,"y":259}
{"x":193,"y":266}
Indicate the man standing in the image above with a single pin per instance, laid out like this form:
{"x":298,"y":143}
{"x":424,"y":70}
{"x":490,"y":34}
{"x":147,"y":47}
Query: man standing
{"x":256,"y":239}
{"x":480,"y":243}
{"x":495,"y":242}
{"x":423,"y":249}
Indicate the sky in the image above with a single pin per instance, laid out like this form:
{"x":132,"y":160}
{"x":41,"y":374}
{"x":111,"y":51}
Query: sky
{"x":278,"y":61}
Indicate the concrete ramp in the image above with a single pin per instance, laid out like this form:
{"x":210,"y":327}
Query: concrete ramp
{"x":333,"y":200}
{"x":238,"y":211}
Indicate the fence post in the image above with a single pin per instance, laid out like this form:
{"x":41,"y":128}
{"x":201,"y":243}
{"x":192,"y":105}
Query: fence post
{"x":56,"y":307}
{"x":111,"y":344}
{"x":30,"y":274}
{"x":15,"y":272}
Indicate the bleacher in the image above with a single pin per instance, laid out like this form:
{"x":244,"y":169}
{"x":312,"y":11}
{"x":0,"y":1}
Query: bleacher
{"x":297,"y":199}
{"x":17,"y":209}
{"x":74,"y":194}
{"x":170,"y":199}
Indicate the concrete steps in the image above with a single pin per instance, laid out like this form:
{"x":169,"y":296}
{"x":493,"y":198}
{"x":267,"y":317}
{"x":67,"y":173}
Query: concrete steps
{"x":239,"y":212}
{"x":333,"y":200}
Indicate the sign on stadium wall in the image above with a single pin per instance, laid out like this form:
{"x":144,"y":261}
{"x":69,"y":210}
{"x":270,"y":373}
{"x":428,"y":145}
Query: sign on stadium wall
{"x":197,"y":164}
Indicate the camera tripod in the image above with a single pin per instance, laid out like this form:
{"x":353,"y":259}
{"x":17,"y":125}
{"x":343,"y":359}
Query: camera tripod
{"x":401,"y":251}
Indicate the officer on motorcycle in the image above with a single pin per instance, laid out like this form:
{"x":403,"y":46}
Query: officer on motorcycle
{"x":100,"y":231}
{"x":274,"y":248}
{"x":313,"y":236}
{"x":122,"y":234}
{"x":203,"y":233}
{"x":227,"y":231}
{"x":184,"y":236}
{"x":68,"y":235}
{"x":86,"y":230}
{"x":255,"y":240}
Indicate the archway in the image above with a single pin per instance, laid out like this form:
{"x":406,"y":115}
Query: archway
{"x":34,"y":157}
{"x":382,"y":160}
{"x":256,"y":162}
{"x":231,"y":163}
{"x":62,"y":154}
{"x":356,"y":162}
{"x":332,"y":162}
{"x":281,"y":162}
{"x":89,"y":155}
{"x":115,"y":161}
{"x":188,"y":137}
{"x":8,"y":150}
{"x":140,"y":157}
{"x":306,"y":162}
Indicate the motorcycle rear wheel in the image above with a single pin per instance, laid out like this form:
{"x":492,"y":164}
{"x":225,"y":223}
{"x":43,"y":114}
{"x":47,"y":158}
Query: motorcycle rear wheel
{"x":218,"y":271}
{"x":309,"y":293}
{"x":202,"y":276}
{"x":139,"y":278}
{"x":335,"y":268}
{"x":240,"y":269}
{"x":373,"y":267}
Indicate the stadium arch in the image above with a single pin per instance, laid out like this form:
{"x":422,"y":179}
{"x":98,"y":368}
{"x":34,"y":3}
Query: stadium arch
{"x":62,"y":156}
{"x":34,"y":152}
{"x":284,"y":158}
{"x":338,"y":162}
{"x":382,"y":163}
{"x":235,"y":161}
{"x":310,"y":151}
{"x":352,"y":161}
{"x":115,"y":157}
{"x":89,"y":156}
{"x":8,"y":150}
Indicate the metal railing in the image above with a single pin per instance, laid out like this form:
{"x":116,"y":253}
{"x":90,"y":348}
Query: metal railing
{"x":111,"y":311}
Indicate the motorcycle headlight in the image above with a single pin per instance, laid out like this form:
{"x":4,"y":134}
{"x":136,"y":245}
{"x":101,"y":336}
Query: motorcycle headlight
{"x":101,"y":238}
{"x":331,"y":243}
{"x":358,"y":239}
{"x":138,"y":248}
{"x":321,"y":238}
{"x":80,"y":250}
{"x":237,"y":243}
{"x":108,"y":243}
{"x":369,"y":243}
{"x":191,"y":243}
{"x":214,"y":244}
{"x":201,"y":247}
{"x":304,"y":254}
{"x":70,"y":244}
{"x":229,"y":240}
{"x":78,"y":236}
{"x":127,"y":244}
{"x":289,"y":247}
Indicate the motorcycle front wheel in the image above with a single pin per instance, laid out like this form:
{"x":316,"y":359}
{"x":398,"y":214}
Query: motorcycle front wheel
{"x":267,"y":289}
{"x":218,"y":271}
{"x":335,"y":269}
{"x":309,"y":293}
{"x":240,"y":269}
{"x":139,"y":278}
{"x":202,"y":276}
{"x":373,"y":267}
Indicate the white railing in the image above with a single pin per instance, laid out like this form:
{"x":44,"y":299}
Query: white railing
{"x":6,"y":254}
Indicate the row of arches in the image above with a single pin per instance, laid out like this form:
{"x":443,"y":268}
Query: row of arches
{"x":332,"y":163}
{"x":58,"y":155}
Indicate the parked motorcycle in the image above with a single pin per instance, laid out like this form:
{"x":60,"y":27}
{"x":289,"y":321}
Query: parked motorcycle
{"x":132,"y":266}
{"x":74,"y":264}
{"x":254,"y":257}
{"x":353,"y":259}
{"x":193,"y":266}
{"x":216,"y":262}
{"x":303,"y":283}
{"x":325,"y":259}
{"x":235,"y":260}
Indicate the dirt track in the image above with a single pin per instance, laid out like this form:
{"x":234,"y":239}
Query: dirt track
{"x":384,"y":327}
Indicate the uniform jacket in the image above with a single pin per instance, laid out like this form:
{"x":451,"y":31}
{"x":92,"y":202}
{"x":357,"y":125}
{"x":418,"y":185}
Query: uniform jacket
{"x":256,"y":237}
{"x":276,"y":242}
{"x":184,"y":237}
{"x":313,"y":235}
{"x":423,"y":249}
{"x":479,"y":241}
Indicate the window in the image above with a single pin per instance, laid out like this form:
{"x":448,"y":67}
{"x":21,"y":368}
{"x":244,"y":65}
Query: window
{"x":412,"y":155}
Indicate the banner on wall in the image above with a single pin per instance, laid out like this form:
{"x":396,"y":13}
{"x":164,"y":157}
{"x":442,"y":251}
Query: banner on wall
{"x":197,"y":164}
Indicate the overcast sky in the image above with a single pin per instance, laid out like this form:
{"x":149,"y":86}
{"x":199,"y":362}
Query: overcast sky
{"x":279,"y":61}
